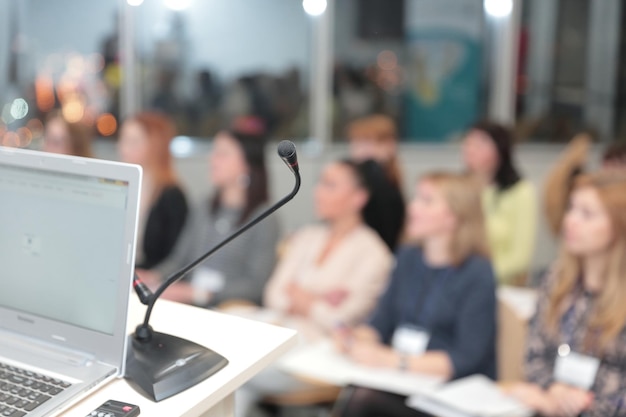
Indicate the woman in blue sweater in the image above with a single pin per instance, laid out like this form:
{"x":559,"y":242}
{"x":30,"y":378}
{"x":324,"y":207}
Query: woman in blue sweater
{"x":438,"y":315}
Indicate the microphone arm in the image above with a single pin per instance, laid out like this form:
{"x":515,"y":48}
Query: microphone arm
{"x":144,"y":331}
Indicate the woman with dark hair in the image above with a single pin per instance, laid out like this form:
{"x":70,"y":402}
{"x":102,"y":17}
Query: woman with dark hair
{"x":145,"y":140}
{"x":376,"y":137}
{"x":332,"y":272}
{"x":385,"y":210}
{"x":509,"y":201}
{"x":238,"y":271}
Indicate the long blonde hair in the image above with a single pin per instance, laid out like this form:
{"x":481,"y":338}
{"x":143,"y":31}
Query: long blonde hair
{"x":609,"y":315}
{"x":462,"y":194}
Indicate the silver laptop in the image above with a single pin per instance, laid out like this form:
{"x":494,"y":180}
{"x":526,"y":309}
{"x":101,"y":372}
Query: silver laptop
{"x":67,"y":240}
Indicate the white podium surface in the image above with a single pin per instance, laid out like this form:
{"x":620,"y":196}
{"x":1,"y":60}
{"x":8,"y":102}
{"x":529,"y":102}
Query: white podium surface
{"x":250,"y":346}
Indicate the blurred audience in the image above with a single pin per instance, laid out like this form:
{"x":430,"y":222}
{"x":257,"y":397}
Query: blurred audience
{"x":335,"y":270}
{"x":145,"y":140}
{"x":560,"y":180}
{"x":63,"y":137}
{"x":614,"y":156}
{"x":575,"y":357}
{"x":376,"y":137}
{"x":573,"y":162}
{"x":204,"y":104}
{"x":509,"y":201}
{"x":331,"y":272}
{"x":240,"y":270}
{"x":438,"y":315}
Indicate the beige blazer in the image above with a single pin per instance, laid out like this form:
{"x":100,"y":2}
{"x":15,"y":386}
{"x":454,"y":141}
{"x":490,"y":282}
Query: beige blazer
{"x":360,"y":264}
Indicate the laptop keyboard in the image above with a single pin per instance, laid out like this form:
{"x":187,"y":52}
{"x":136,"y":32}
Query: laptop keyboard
{"x":22,"y":391}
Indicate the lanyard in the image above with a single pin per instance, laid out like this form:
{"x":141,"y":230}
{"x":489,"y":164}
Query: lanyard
{"x":569,"y":323}
{"x":426,"y":297}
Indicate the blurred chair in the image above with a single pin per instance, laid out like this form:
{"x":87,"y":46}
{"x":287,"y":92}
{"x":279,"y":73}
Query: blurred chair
{"x":516,"y":307}
{"x":314,"y":400}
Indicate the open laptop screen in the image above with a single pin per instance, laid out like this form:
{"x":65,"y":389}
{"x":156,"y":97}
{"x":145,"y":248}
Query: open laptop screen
{"x":62,"y":245}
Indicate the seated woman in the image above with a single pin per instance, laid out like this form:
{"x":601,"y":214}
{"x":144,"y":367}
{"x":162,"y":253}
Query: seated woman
{"x":573,"y":162}
{"x":331,"y":272}
{"x":560,"y":179}
{"x":63,"y":137}
{"x":335,"y":270}
{"x":509,"y":201}
{"x":376,"y":137}
{"x":438,"y":315}
{"x":240,"y":270}
{"x":576,"y":353}
{"x":145,"y":140}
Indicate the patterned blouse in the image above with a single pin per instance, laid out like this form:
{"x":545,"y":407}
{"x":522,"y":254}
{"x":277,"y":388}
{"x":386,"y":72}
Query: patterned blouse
{"x":609,"y":387}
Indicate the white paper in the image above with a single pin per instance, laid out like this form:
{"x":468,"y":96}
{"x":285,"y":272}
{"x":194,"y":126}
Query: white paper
{"x":208,"y":280}
{"x":577,"y":370}
{"x":523,"y":301}
{"x":322,"y":362}
{"x":475,"y":395}
{"x":410,"y":340}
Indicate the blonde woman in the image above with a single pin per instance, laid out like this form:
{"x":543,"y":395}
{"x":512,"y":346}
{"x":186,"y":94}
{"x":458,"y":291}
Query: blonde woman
{"x":576,"y":357}
{"x":438,"y":315}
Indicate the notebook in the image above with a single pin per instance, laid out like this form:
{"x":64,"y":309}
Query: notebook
{"x":473,"y":396}
{"x":67,"y":240}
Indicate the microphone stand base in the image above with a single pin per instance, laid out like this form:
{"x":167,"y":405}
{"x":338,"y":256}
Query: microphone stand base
{"x":166,"y":365}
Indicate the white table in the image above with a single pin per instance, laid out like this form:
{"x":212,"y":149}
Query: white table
{"x":249,"y":346}
{"x":316,"y":360}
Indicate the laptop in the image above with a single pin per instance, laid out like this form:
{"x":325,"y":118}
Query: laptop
{"x":67,"y":240}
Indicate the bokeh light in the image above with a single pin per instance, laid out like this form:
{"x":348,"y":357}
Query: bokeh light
{"x":44,"y":93}
{"x":76,"y":66}
{"x":11,"y":140}
{"x":19,"y":108}
{"x":73,"y":110}
{"x":177,"y":5}
{"x":25,"y":135}
{"x":36,"y":128}
{"x":314,"y":7}
{"x":6,"y":114}
{"x":106,"y":124}
{"x":498,"y":8}
{"x":134,"y":2}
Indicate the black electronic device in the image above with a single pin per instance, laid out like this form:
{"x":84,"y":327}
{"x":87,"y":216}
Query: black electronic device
{"x":160,"y":365}
{"x":114,"y":408}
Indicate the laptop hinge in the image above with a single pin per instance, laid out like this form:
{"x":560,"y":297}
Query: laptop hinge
{"x":30,"y":346}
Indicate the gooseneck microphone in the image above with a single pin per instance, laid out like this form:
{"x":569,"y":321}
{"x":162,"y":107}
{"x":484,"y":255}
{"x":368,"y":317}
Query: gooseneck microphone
{"x":161,"y":365}
{"x":287,"y":152}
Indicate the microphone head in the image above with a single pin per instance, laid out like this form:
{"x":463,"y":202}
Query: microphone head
{"x":287,"y":152}
{"x":286,"y":149}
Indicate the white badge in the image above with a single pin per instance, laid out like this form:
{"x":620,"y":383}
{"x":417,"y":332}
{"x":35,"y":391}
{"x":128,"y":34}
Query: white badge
{"x":208,"y":280}
{"x":575,"y":369}
{"x":411,"y":340}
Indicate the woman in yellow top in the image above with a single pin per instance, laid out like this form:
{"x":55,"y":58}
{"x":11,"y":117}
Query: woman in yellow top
{"x":509,"y":201}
